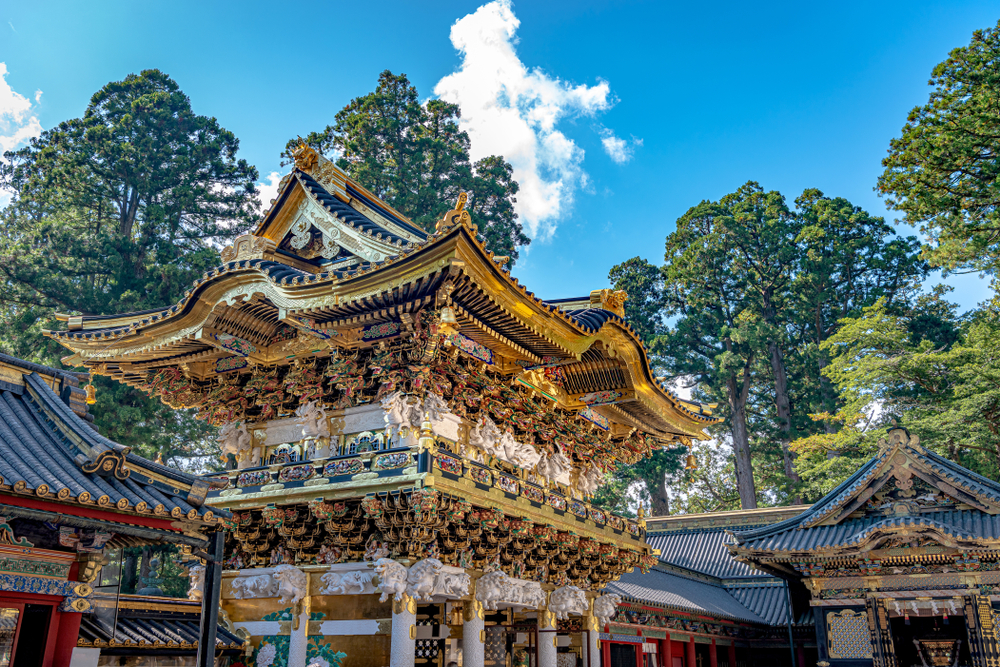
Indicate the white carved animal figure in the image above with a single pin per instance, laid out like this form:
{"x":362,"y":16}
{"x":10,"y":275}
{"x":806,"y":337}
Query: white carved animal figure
{"x":435,"y":407}
{"x":567,"y":600}
{"x":336,"y":583}
{"x":258,"y":586}
{"x":196,"y":575}
{"x":520,"y":454}
{"x":604,"y":607}
{"x":392,"y":579}
{"x":234,"y":439}
{"x":421,"y":578}
{"x":589,"y":481}
{"x":532,"y":594}
{"x":453,"y":585}
{"x":402,"y":411}
{"x":554,"y":466}
{"x":485,"y":436}
{"x":292,"y":583}
{"x":312,"y":419}
{"x":493,"y":588}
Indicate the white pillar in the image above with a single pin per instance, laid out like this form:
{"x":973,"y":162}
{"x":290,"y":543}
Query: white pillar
{"x":546,"y":639}
{"x":299,"y":639}
{"x":473,"y":628}
{"x":403,"y":651}
{"x":593,"y":657}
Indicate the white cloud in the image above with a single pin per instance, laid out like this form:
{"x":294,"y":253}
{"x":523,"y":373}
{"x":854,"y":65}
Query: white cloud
{"x":268,"y":189}
{"x":618,"y":149}
{"x":513,"y":111}
{"x":18,"y":122}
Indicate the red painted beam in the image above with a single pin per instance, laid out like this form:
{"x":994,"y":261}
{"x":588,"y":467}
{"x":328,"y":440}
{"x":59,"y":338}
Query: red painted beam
{"x":88,"y":513}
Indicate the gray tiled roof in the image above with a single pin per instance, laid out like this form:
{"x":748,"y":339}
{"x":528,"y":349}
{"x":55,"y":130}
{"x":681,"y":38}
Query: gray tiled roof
{"x":671,"y":590}
{"x":45,"y":446}
{"x":700,"y":550}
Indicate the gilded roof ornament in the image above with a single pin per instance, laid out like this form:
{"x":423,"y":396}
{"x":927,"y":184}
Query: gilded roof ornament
{"x":612,"y":300}
{"x":457,"y":216}
{"x":306,"y":157}
{"x":247,"y":246}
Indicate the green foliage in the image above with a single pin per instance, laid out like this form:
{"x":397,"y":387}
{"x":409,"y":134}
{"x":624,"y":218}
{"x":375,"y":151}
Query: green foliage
{"x":117,"y":211}
{"x":944,"y":171}
{"x":922,"y":366}
{"x":415,"y":157}
{"x":749,"y":292}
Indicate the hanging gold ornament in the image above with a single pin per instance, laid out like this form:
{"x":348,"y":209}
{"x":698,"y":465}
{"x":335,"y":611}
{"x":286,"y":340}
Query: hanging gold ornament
{"x":91,"y":394}
{"x":691,"y":463}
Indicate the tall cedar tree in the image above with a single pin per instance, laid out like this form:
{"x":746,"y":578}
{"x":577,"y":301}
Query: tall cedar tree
{"x":944,"y":171}
{"x":119,"y":210}
{"x":752,"y":290}
{"x":415,"y":157}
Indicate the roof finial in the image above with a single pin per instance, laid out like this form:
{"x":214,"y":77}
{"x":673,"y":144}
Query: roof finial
{"x":456,"y":216}
{"x":305,"y":156}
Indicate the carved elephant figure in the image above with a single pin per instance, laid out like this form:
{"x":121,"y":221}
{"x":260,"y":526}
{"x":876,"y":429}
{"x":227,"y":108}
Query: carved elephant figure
{"x":337,"y":583}
{"x":567,"y":600}
{"x":392,"y":578}
{"x":292,"y":583}
{"x":422,"y":577}
{"x":258,"y":586}
{"x":493,"y":588}
{"x":604,"y":607}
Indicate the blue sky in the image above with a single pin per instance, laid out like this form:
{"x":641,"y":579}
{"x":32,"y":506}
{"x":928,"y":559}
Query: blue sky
{"x":620,"y":115}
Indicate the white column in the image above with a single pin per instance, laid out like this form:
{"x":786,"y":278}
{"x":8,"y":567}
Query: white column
{"x":546,"y":639}
{"x":403,"y":651}
{"x":593,"y":657}
{"x":473,"y":628}
{"x":299,"y":639}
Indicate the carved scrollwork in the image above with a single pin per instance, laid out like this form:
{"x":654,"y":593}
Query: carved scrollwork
{"x":109,"y":463}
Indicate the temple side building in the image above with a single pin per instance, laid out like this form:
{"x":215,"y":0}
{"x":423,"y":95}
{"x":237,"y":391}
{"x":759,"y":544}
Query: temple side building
{"x":413,"y":436}
{"x":68,"y":496}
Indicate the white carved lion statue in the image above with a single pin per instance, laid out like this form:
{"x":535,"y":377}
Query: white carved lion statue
{"x":485,"y":436}
{"x":493,"y":588}
{"x":392,"y":579}
{"x":422,"y":577}
{"x":453,"y":585}
{"x":589,"y":481}
{"x":196,"y":575}
{"x":258,"y":586}
{"x":554,"y":466}
{"x":312,"y":419}
{"x":346,"y":583}
{"x":234,"y":438}
{"x":604,"y":607}
{"x":567,"y":600}
{"x":292,"y":583}
{"x":402,"y":411}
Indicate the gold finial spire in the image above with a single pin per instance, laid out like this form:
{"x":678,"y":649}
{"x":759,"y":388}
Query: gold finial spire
{"x":456,"y":216}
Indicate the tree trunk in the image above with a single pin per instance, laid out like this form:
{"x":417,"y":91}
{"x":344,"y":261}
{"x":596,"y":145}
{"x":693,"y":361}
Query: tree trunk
{"x":784,"y":409}
{"x":737,"y":396}
{"x":129,"y":573}
{"x":659,"y":496}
